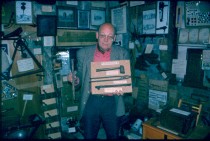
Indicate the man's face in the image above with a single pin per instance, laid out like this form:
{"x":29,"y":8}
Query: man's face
{"x":105,"y":37}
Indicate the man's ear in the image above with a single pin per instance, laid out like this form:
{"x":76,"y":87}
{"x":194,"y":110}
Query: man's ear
{"x":96,"y":35}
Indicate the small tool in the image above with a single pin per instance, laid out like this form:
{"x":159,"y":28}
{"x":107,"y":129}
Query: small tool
{"x":120,"y":78}
{"x":107,"y":86}
{"x":115,"y":76}
{"x":121,"y":68}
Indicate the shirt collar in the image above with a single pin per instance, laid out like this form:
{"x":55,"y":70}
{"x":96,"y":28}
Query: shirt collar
{"x":100,"y":53}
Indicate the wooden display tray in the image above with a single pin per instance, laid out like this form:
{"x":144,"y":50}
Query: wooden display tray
{"x":115,"y":76}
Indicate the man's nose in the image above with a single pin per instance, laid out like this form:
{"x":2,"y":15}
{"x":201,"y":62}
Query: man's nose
{"x":106,"y":38}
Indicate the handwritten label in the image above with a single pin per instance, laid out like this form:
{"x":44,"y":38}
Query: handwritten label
{"x":110,"y":63}
{"x":25,"y":65}
{"x":27,"y":97}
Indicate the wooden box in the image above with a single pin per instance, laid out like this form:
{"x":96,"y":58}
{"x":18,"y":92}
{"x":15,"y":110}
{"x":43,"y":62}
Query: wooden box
{"x":111,"y":76}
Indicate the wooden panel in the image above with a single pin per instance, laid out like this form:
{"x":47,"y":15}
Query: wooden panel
{"x":53,"y":124}
{"x":55,"y":135}
{"x":49,"y":101}
{"x":151,"y":133}
{"x":47,"y":88}
{"x":50,"y":113}
{"x":75,"y":37}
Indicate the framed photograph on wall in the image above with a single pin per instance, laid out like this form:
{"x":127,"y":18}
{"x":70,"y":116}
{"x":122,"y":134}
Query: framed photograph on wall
{"x":67,"y":17}
{"x":83,"y":19}
{"x":97,"y":17}
{"x":24,"y":12}
{"x":6,"y":59}
{"x":46,"y":25}
{"x":149,"y":25}
{"x":119,"y":18}
{"x":101,"y":4}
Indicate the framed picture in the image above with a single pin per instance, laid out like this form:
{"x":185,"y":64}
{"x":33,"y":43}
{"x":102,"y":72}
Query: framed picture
{"x":5,"y":56}
{"x":83,"y":19}
{"x":119,"y":19}
{"x":101,"y":4}
{"x":75,"y":38}
{"x":97,"y":17}
{"x":162,"y":17}
{"x":67,"y":17}
{"x":24,"y":12}
{"x":46,"y":25}
{"x":149,"y":21}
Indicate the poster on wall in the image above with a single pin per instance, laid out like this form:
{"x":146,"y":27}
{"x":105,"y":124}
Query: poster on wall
{"x":149,"y":22}
{"x":83,"y":19}
{"x":67,"y":17}
{"x":97,"y":17}
{"x":119,"y":19}
{"x":24,"y":12}
{"x":162,"y":21}
{"x":5,"y":56}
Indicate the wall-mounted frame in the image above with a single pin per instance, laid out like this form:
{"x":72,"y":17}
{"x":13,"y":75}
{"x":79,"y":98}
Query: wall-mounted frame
{"x":101,"y":4}
{"x":119,"y":19}
{"x":46,"y":25}
{"x":196,"y":13}
{"x":149,"y":21}
{"x":5,"y":54}
{"x":75,"y":37}
{"x":83,"y":19}
{"x":24,"y":12}
{"x":162,"y":19}
{"x":67,"y":17}
{"x":97,"y":17}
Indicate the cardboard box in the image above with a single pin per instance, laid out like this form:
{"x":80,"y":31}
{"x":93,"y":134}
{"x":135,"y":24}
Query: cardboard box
{"x":107,"y":77}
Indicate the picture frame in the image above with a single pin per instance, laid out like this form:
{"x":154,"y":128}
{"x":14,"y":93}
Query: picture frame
{"x":24,"y":13}
{"x":149,"y":21}
{"x":119,"y":19}
{"x":46,"y":25}
{"x":66,"y":17}
{"x":162,"y":17}
{"x":83,"y":19}
{"x":101,"y":4}
{"x":6,"y":59}
{"x":97,"y":17}
{"x":75,"y":37}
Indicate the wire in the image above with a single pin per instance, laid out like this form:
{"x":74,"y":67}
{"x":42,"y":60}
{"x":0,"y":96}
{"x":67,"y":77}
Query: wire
{"x":11,"y":21}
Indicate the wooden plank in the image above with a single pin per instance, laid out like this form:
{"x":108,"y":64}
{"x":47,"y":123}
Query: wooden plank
{"x":51,"y":113}
{"x":52,"y":124}
{"x":49,"y":101}
{"x":55,"y":135}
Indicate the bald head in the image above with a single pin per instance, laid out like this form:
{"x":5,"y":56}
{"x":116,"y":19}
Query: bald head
{"x":106,"y":36}
{"x":106,"y":26}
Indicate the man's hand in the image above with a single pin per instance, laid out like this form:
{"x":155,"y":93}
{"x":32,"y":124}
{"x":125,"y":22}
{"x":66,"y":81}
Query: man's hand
{"x":70,"y":78}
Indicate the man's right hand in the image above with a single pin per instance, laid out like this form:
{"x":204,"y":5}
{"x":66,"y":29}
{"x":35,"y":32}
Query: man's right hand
{"x":70,"y":78}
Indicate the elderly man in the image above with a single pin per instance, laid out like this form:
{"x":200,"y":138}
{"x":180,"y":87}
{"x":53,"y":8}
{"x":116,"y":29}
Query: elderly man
{"x":97,"y":109}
